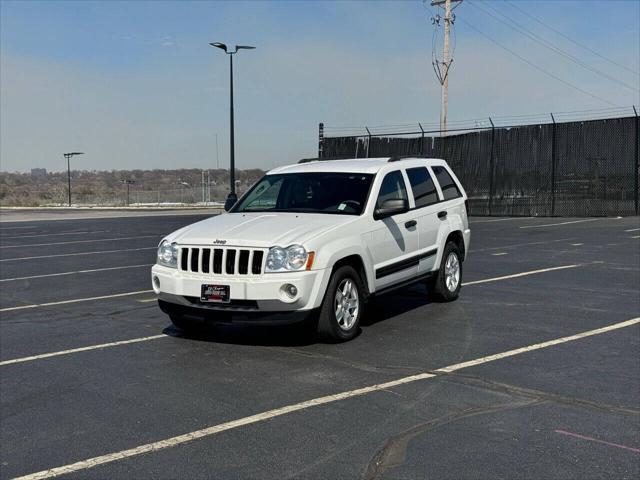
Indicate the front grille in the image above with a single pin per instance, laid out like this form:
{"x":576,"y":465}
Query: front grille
{"x":221,"y":261}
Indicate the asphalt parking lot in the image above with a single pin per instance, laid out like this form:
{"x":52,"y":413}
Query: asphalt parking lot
{"x":533,"y":373}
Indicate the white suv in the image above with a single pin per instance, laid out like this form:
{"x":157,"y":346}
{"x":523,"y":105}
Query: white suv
{"x":316,"y":240}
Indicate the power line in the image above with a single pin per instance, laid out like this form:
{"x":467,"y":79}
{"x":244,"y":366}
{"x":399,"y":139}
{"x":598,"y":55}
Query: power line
{"x":536,"y":38}
{"x":537,"y":67}
{"x":513,"y":5}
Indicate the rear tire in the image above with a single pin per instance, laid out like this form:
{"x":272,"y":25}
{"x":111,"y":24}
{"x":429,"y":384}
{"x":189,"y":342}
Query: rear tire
{"x":342,"y":307}
{"x":445,"y":285}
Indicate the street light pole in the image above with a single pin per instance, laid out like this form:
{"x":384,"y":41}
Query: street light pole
{"x":68,"y":157}
{"x":232,"y":146}
{"x":232,"y":198}
{"x":128,"y":183}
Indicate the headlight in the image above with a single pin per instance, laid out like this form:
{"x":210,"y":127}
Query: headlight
{"x":281,"y":259}
{"x":168,"y":254}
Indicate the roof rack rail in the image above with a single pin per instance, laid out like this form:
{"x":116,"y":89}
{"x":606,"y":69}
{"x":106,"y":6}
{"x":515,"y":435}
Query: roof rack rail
{"x":397,"y":158}
{"x":317,"y":159}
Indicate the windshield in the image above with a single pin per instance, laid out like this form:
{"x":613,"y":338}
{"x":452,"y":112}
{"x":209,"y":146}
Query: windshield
{"x":318,"y":192}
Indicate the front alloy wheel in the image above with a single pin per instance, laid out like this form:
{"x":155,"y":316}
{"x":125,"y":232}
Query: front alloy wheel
{"x":346,"y":304}
{"x":341,"y":310}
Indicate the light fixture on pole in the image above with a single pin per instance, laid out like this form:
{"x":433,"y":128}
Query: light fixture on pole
{"x":68,"y":157}
{"x":182,"y":185}
{"x":128,"y":183}
{"x":232,"y":198}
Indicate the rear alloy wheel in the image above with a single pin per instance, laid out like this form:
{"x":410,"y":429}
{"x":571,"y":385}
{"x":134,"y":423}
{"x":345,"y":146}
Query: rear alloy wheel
{"x":445,"y":285}
{"x":452,"y":272}
{"x":341,"y":309}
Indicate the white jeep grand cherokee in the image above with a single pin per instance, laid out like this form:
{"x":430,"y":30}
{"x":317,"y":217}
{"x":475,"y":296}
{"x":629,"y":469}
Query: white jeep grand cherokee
{"x":316,"y":240}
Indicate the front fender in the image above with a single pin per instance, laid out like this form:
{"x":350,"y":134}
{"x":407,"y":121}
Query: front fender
{"x":328,"y":254}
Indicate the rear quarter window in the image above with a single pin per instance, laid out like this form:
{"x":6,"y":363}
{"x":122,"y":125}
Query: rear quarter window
{"x":449,"y":188}
{"x":424,"y":190}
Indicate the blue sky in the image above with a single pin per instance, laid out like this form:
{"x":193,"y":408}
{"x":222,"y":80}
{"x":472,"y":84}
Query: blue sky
{"x":135,"y":84}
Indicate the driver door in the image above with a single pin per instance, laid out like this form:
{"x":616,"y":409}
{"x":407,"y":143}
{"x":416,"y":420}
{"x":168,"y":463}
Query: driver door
{"x":394,"y":239}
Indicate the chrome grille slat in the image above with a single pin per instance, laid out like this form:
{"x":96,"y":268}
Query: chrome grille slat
{"x":250,"y":263}
{"x":222,"y":261}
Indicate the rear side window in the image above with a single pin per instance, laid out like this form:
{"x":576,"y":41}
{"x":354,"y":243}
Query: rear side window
{"x":449,"y":188}
{"x":392,"y":188}
{"x":424,"y":190}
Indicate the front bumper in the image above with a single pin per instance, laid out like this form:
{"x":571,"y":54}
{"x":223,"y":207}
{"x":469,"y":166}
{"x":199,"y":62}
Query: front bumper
{"x":249,"y":294}
{"x":232,"y":316}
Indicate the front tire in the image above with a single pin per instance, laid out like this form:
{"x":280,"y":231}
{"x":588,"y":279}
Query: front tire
{"x":445,"y":285}
{"x":341,"y":310}
{"x":188,"y":326}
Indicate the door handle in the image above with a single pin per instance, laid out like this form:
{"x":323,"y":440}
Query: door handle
{"x":442,"y":214}
{"x":410,"y":224}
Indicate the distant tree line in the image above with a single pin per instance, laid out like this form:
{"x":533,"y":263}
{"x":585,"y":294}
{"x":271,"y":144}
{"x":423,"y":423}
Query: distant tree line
{"x":109,"y":187}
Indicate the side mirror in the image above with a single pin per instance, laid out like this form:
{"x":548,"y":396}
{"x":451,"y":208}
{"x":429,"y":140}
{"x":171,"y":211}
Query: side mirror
{"x":230,"y":202}
{"x":391,"y":207}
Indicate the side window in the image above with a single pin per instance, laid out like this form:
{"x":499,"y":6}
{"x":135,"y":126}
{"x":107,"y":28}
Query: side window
{"x":392,"y":188}
{"x":424,"y":190}
{"x":449,"y":188}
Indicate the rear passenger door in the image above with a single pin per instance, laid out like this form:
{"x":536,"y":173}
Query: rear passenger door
{"x":427,"y":206}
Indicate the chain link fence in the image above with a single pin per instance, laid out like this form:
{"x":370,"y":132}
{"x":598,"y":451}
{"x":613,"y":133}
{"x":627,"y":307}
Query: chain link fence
{"x":578,"y":168}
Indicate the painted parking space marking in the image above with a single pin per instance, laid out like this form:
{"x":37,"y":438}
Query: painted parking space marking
{"x":75,"y":272}
{"x":521,"y":274}
{"x":501,"y":220}
{"x":633,"y":230}
{"x":147,"y":300}
{"x":499,"y":254}
{"x":82,"y":349}
{"x":577,"y":244}
{"x":75,"y":300}
{"x":76,"y":232}
{"x":562,"y":223}
{"x":278,"y":412}
{"x":597,"y":440}
{"x":76,"y":254}
{"x":516,"y":245}
{"x":78,"y":241}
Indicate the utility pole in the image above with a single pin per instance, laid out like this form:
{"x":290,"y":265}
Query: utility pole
{"x":217,"y":156}
{"x":442,"y":67}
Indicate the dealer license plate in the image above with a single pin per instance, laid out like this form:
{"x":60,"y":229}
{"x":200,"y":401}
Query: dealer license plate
{"x":215,"y":293}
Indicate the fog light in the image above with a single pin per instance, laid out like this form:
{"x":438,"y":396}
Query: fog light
{"x":290,"y":290}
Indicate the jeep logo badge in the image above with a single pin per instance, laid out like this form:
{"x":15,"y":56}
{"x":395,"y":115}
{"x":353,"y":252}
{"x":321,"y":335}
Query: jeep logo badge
{"x":219,"y":242}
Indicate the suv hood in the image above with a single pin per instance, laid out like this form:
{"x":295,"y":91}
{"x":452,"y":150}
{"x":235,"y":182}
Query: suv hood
{"x":259,"y":229}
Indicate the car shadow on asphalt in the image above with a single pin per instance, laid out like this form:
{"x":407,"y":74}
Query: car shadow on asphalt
{"x":379,"y":309}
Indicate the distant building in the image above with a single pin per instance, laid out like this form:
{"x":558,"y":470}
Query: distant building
{"x":38,"y":172}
